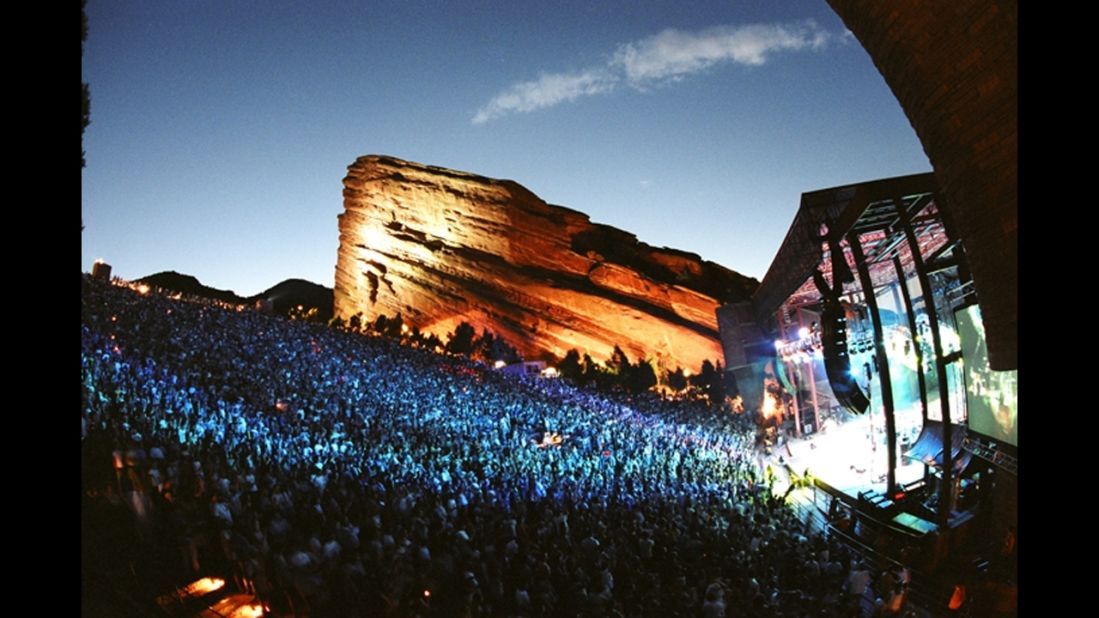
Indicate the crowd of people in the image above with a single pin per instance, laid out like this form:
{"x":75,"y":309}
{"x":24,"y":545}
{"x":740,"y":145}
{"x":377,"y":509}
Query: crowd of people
{"x":336,"y":474}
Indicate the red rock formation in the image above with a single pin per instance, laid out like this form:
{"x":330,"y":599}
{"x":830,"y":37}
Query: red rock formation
{"x":441,"y":247}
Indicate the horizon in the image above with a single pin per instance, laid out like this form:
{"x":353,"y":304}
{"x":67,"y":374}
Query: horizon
{"x":220,"y":134}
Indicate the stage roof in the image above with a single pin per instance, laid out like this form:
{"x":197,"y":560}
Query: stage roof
{"x":871,"y":209}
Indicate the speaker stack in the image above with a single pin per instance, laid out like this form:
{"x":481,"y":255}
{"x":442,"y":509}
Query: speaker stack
{"x":837,"y":361}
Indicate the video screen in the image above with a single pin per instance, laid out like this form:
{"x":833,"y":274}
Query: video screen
{"x":991,"y":396}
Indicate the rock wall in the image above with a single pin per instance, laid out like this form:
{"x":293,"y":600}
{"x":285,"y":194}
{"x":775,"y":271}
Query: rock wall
{"x":441,"y":247}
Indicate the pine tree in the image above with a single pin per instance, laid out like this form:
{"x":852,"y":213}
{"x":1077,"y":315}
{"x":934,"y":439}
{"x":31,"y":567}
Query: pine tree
{"x":461,"y":340}
{"x":570,"y":368}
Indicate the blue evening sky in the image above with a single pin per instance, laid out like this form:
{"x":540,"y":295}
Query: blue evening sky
{"x":221,"y":130}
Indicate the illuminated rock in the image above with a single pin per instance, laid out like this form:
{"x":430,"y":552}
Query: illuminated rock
{"x":441,"y":247}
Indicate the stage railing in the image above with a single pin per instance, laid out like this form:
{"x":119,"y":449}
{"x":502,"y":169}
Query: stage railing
{"x":926,"y":591}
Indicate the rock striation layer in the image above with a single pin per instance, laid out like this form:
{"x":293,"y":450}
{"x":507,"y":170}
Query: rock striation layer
{"x":441,"y":247}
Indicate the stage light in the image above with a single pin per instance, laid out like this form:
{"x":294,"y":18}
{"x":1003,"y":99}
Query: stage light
{"x":778,"y":344}
{"x":499,"y":364}
{"x":803,"y":332}
{"x":251,"y":610}
{"x":204,"y":585}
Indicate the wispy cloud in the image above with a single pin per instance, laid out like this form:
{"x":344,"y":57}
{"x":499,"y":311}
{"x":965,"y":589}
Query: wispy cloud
{"x":666,"y":57}
{"x":547,"y":90}
{"x":673,"y":54}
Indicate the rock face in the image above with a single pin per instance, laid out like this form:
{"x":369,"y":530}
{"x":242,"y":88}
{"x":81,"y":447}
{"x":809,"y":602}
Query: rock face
{"x":441,"y":247}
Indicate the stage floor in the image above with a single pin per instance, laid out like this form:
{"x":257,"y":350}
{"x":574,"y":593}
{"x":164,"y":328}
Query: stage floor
{"x":842,"y":456}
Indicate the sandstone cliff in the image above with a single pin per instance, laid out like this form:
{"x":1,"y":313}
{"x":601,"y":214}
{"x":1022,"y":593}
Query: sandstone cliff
{"x":440,"y":247}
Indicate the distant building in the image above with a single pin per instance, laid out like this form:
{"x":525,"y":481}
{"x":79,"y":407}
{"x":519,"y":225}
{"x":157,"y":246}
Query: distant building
{"x":524,"y":368}
{"x":101,"y":270}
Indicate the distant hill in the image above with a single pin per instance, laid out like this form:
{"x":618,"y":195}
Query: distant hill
{"x":285,"y":295}
{"x":177,"y":282}
{"x":293,"y":292}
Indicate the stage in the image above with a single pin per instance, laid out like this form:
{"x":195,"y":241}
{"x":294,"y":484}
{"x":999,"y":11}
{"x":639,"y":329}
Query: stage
{"x":844,"y":456}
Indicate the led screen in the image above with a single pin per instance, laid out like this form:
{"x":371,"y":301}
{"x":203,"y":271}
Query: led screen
{"x":991,"y":396}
